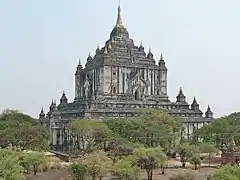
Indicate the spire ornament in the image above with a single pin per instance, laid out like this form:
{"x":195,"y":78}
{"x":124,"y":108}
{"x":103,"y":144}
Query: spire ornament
{"x":79,"y":62}
{"x":119,"y":22}
{"x":181,"y":98}
{"x":161,"y":57}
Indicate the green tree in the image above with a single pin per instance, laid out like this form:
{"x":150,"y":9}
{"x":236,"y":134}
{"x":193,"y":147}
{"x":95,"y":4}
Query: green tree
{"x":118,"y":148}
{"x":151,"y":128}
{"x":125,"y":169}
{"x":22,"y":131}
{"x":98,"y":164}
{"x":186,"y":151}
{"x":89,"y":135}
{"x":78,"y":171}
{"x":149,"y":159}
{"x":10,"y":168}
{"x":221,"y":131}
{"x":195,"y":160}
{"x":208,"y":148}
{"x":34,"y":160}
{"x":127,"y":128}
{"x":227,"y":172}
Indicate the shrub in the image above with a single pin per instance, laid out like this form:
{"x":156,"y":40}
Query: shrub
{"x":78,"y":171}
{"x":183,"y":176}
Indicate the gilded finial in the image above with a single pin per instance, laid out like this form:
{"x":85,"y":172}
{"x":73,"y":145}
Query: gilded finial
{"x":79,"y":62}
{"x":42,"y":111}
{"x":119,"y":22}
{"x":181,"y":91}
{"x":161,"y":58}
{"x":150,"y":50}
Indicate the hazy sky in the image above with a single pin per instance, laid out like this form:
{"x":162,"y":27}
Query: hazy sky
{"x":41,"y":41}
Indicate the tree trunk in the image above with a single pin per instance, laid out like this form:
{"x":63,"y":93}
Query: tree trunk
{"x":149,"y":174}
{"x":163,"y":169}
{"x":152,"y":140}
{"x":209,"y":159}
{"x":104,"y":146}
{"x":35,"y":171}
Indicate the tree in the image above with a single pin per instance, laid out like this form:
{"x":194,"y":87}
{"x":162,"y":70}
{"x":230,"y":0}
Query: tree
{"x":125,"y":170}
{"x":88,"y":135}
{"x":34,"y":160}
{"x":118,"y":148}
{"x":195,"y":160}
{"x":149,"y":159}
{"x":186,"y":151}
{"x":227,"y":172}
{"x":127,"y":128}
{"x":207,"y":148}
{"x":78,"y":171}
{"x":221,"y":131}
{"x":160,"y":129}
{"x":98,"y":164}
{"x":22,"y":131}
{"x":10,"y":168}
{"x":151,"y":128}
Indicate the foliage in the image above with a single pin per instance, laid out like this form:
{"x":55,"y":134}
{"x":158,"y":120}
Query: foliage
{"x":183,"y":176}
{"x":227,"y":172}
{"x":89,"y":135}
{"x":33,"y":160}
{"x":78,"y":171}
{"x":186,"y":151}
{"x":22,"y":131}
{"x":221,"y":131}
{"x":118,"y":148}
{"x":127,"y":128}
{"x":125,"y":170}
{"x":10,"y":168}
{"x":98,"y":164}
{"x":149,"y":159}
{"x":208,"y":148}
{"x":13,"y":164}
{"x":195,"y":160}
{"x":151,"y":128}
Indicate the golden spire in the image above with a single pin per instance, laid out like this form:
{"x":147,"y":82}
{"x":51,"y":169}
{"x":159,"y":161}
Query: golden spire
{"x":119,"y":22}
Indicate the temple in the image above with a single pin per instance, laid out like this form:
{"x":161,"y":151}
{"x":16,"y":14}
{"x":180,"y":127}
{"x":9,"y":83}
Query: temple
{"x":116,"y":81}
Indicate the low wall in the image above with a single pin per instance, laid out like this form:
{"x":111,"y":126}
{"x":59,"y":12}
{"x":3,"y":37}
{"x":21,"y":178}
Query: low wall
{"x":63,"y":157}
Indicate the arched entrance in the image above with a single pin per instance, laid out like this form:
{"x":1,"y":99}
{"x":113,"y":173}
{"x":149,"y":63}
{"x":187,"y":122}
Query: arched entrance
{"x":136,"y":95}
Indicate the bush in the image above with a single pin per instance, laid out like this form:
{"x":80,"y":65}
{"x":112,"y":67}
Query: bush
{"x":183,"y":176}
{"x":78,"y":171}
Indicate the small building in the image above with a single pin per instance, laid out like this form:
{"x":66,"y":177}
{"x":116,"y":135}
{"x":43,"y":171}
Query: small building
{"x":231,"y":155}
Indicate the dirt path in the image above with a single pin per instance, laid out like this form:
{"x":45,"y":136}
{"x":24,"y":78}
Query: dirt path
{"x":51,"y":175}
{"x":63,"y":175}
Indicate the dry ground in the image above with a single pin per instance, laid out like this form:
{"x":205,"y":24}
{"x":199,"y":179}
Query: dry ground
{"x":57,"y":175}
{"x":200,"y":174}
